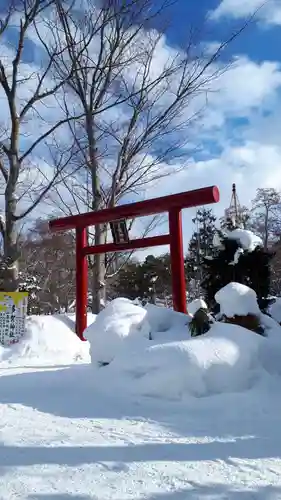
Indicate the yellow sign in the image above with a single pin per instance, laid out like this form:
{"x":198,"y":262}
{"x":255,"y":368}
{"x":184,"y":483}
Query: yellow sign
{"x":13,"y":310}
{"x":17,"y":298}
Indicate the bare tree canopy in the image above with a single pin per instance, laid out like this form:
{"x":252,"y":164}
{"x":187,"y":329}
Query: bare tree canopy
{"x":109,"y":111}
{"x":138,"y":102}
{"x":266,"y":214}
{"x":30,"y":160}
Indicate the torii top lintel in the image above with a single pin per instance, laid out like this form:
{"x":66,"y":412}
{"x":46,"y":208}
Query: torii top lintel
{"x":188,"y":199}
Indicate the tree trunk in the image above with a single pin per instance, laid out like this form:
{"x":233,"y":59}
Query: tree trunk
{"x":266,"y":228}
{"x":10,"y":275}
{"x":98,"y":277}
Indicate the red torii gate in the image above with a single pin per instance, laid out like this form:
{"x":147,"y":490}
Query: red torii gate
{"x":172,"y":204}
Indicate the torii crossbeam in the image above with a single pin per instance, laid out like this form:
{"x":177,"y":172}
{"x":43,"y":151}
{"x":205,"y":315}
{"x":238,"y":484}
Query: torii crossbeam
{"x":173,"y":204}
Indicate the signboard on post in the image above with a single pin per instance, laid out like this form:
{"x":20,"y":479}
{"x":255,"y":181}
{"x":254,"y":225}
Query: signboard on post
{"x":119,"y":231}
{"x":13,"y":311}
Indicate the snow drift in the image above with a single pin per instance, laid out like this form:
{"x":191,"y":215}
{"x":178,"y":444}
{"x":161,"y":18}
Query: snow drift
{"x":149,"y":352}
{"x":222,"y":361}
{"x":275,"y":309}
{"x":48,"y":340}
{"x":237,"y":299}
{"x":123,"y":325}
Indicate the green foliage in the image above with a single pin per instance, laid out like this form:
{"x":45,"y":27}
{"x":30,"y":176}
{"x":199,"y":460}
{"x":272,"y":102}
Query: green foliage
{"x":251,"y":269}
{"x":149,"y":281}
{"x":200,"y":323}
{"x":200,"y":246}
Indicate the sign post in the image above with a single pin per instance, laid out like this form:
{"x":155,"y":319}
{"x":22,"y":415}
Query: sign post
{"x":13,"y":311}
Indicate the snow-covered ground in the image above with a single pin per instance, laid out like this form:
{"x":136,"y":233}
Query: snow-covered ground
{"x":170,"y":417}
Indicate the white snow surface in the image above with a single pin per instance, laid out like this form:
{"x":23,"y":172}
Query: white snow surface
{"x":172,"y":418}
{"x":123,"y":323}
{"x":120,"y":321}
{"x":195,"y":305}
{"x":237,"y":299}
{"x":275,"y":309}
{"x":248,"y":240}
{"x":223,"y":361}
{"x":48,"y":340}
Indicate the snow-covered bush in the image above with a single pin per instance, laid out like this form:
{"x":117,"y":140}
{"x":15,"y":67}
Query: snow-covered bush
{"x":120,"y":320}
{"x":236,"y":299}
{"x":238,"y":305}
{"x":148,"y":351}
{"x":195,"y":305}
{"x":239,"y":257}
{"x":201,"y":319}
{"x":123,"y":325}
{"x":226,"y":359}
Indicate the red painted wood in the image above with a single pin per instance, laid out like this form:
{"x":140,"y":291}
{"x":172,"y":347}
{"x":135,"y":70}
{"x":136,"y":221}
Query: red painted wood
{"x":154,"y":241}
{"x":81,"y":282}
{"x":172,"y":204}
{"x":177,"y":261}
{"x":203,"y":196}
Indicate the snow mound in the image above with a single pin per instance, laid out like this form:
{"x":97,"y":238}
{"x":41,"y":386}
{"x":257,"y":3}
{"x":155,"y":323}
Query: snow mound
{"x":224,"y":360}
{"x":164,"y":321}
{"x":195,"y":305}
{"x":120,"y":320}
{"x":49,"y":340}
{"x":148,"y":351}
{"x":237,"y":299}
{"x":123,"y":324}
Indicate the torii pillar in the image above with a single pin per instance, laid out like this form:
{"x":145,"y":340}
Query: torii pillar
{"x":173,"y":205}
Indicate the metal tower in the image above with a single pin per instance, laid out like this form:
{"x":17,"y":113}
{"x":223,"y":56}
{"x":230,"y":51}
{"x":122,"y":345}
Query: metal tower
{"x":234,"y":215}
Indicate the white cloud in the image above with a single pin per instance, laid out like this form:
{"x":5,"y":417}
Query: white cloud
{"x":249,"y":156}
{"x":245,"y":86}
{"x":250,"y":166}
{"x":269,"y":11}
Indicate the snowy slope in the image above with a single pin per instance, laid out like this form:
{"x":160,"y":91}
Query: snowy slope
{"x":49,"y":340}
{"x":149,"y":353}
{"x":63,"y":437}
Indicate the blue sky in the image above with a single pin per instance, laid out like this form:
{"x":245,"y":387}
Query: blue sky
{"x":259,"y":41}
{"x":245,"y":147}
{"x":239,"y":133}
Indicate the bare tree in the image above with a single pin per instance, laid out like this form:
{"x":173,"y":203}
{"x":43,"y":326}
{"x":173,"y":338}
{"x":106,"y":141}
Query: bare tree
{"x":137,"y":109}
{"x":49,"y":260}
{"x":69,"y":197}
{"x":29,"y":123}
{"x":266,"y":214}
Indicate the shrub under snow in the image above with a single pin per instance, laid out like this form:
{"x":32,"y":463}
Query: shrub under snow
{"x":237,"y":300}
{"x":195,"y":305}
{"x":121,"y":320}
{"x":223,"y":360}
{"x":123,"y":324}
{"x":173,"y":365}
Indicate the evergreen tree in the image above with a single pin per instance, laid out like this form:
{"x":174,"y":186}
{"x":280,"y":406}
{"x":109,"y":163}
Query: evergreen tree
{"x":232,"y":220}
{"x":148,"y":281}
{"x":200,"y":247}
{"x":30,"y":283}
{"x":127,"y":281}
{"x":231,"y":262}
